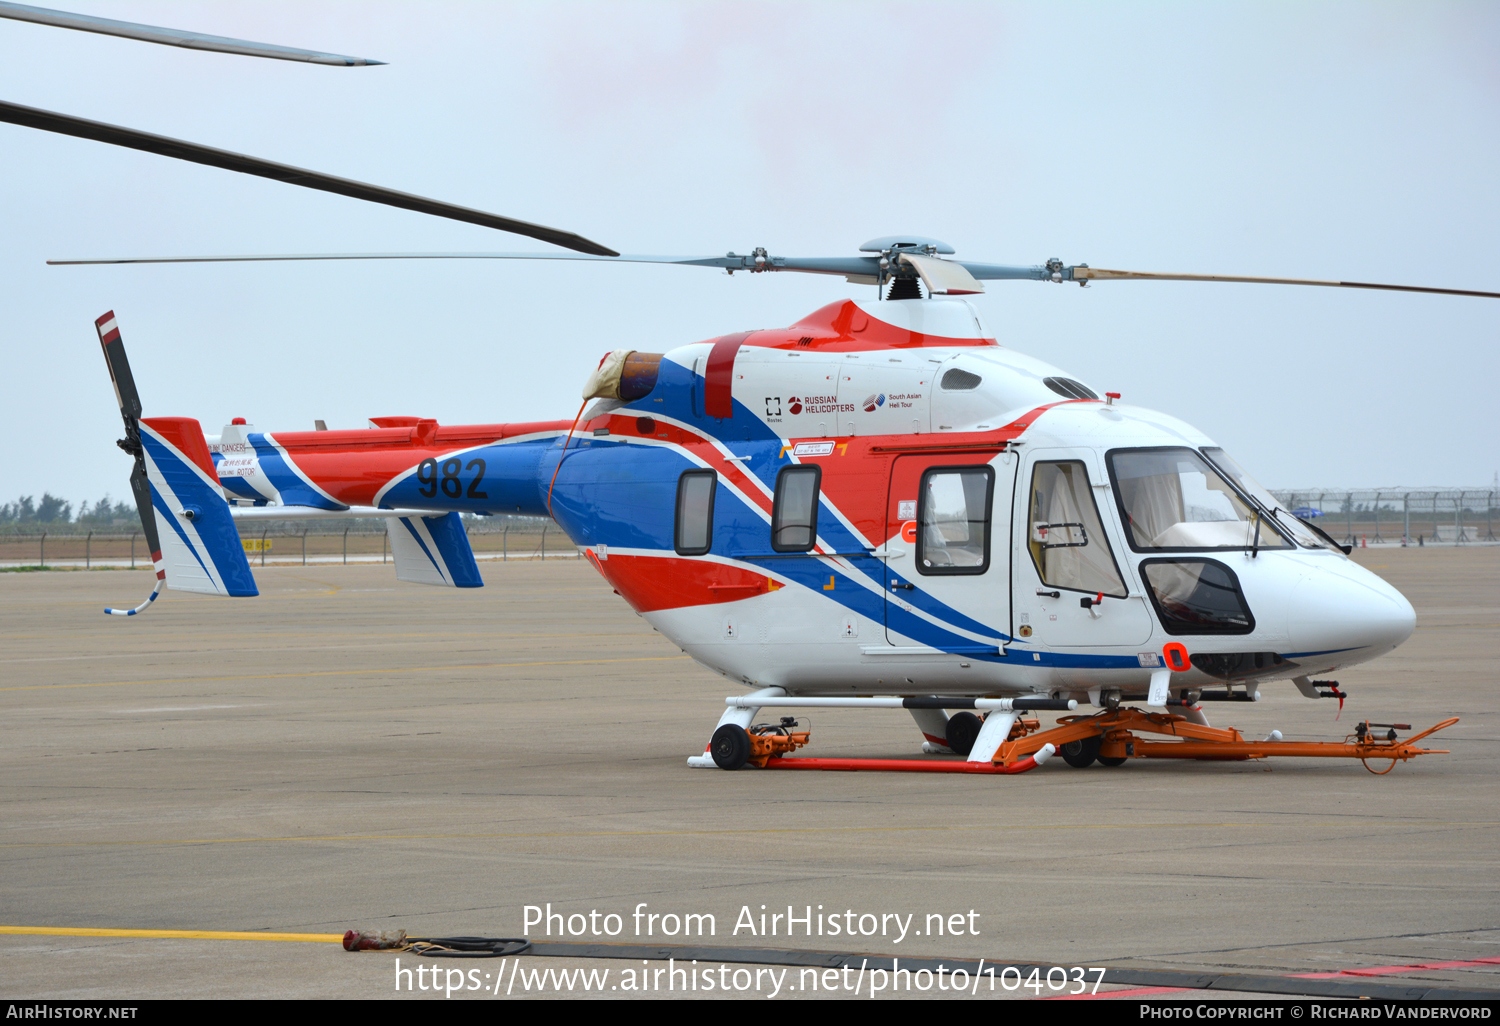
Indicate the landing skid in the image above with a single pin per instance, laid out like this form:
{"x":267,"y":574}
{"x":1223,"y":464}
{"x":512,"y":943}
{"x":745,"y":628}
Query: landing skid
{"x":1010,"y":744}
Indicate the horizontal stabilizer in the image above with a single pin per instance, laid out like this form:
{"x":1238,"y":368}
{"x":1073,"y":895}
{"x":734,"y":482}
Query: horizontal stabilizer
{"x":314,"y":513}
{"x":433,"y":550}
{"x":200,"y":547}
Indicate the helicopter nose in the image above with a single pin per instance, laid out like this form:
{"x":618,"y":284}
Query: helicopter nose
{"x":1345,"y":607}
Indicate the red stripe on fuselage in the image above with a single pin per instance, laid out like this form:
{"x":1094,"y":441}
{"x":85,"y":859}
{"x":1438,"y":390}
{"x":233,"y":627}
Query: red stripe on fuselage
{"x":458,"y":436}
{"x":856,"y":477}
{"x":718,"y":375}
{"x":857,"y":474}
{"x":352,"y":466}
{"x":1025,"y":420}
{"x":843,"y":327}
{"x":670,"y":582}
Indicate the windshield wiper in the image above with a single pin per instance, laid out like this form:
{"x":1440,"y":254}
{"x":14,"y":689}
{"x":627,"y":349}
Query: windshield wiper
{"x":1275,"y":512}
{"x":1345,"y":549}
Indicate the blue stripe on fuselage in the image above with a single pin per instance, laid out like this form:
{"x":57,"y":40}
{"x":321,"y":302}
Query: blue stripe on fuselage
{"x":513,"y":480}
{"x":288,"y":483}
{"x":745,"y":434}
{"x":237,"y":485}
{"x":625,"y":495}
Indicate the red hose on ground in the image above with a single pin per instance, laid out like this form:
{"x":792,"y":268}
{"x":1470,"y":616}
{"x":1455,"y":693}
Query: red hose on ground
{"x":913,"y":765}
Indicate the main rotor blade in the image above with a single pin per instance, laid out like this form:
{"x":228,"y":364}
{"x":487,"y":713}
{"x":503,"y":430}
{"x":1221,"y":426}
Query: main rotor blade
{"x":1101,"y":274}
{"x":863,"y":268}
{"x":731,"y":261}
{"x":98,"y":131}
{"x":174,"y":37}
{"x":274,"y":257}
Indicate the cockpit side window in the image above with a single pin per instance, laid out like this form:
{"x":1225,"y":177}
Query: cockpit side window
{"x":1174,"y":500}
{"x":1066,"y":538}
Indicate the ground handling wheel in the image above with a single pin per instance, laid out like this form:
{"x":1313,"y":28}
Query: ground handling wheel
{"x":1081,"y":754}
{"x":730,"y":747}
{"x":963,"y":731}
{"x":1111,"y":761}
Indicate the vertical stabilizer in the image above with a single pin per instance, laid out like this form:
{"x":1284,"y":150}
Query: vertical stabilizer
{"x":200,"y":546}
{"x":433,"y":550}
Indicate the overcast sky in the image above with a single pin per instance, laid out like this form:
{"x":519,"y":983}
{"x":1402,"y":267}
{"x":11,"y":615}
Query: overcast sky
{"x":1354,"y":141}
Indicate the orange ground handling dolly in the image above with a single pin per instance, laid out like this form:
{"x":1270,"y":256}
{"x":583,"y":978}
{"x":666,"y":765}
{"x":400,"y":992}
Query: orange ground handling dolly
{"x":1007,"y":741}
{"x":1111,"y":738}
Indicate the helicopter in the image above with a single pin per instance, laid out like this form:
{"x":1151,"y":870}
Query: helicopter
{"x":877,"y":506}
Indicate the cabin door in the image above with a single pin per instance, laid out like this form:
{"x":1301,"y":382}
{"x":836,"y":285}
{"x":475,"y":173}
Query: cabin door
{"x":948,"y":571}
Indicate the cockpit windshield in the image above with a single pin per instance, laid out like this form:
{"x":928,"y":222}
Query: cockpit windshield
{"x":1174,"y":500}
{"x":1300,"y":532}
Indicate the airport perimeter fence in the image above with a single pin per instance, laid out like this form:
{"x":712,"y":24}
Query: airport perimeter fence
{"x":283,"y":541}
{"x":1414,"y":516}
{"x":1426,"y":516}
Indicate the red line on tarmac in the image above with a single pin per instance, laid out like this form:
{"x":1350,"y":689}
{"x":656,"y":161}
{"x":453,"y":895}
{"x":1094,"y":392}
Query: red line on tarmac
{"x":1134,"y":992}
{"x":903,"y":765}
{"x":1382,"y":970}
{"x":1392,"y":970}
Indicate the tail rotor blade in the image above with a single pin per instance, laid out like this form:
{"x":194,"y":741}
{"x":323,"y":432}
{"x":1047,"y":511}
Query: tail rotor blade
{"x":119,"y":370}
{"x":130,"y":412}
{"x":141,"y":487}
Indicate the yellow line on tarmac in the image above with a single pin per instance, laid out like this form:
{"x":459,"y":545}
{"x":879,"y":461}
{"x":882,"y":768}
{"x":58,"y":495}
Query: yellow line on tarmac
{"x":343,"y":673}
{"x":351,"y":635}
{"x":73,"y":931}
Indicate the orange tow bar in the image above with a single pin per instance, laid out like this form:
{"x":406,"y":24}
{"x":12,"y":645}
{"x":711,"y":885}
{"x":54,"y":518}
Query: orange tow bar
{"x":1117,"y":733}
{"x":1114,"y":736}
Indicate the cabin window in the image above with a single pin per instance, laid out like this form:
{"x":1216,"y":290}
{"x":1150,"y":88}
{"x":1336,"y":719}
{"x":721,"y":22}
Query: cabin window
{"x":794,"y":513}
{"x":953,"y":520}
{"x":694,"y":532}
{"x":1066,"y":536}
{"x":1197,"y":596}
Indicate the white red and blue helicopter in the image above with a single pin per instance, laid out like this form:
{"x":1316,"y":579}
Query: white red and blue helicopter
{"x":877,"y":506}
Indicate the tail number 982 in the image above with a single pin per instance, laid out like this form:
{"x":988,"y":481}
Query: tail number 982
{"x":450,"y":480}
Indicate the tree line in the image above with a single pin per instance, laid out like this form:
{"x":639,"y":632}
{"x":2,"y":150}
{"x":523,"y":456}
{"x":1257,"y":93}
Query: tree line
{"x":51,"y":509}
